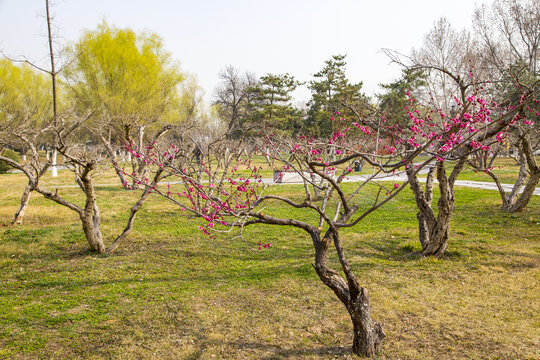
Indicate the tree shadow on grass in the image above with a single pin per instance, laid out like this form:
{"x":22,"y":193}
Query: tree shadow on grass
{"x":278,"y":352}
{"x":111,"y":188}
{"x":392,"y":250}
{"x":263,"y":351}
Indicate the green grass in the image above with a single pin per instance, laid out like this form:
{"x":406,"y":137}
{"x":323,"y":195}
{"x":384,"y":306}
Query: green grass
{"x":505,"y":168}
{"x":171,"y":293}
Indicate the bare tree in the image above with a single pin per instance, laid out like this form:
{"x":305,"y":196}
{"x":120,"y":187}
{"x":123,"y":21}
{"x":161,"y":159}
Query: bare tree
{"x":33,"y":135}
{"x":24,"y":113}
{"x":23,"y":134}
{"x":86,"y":163}
{"x":232,"y":98}
{"x":510,"y":33}
{"x":446,"y":57}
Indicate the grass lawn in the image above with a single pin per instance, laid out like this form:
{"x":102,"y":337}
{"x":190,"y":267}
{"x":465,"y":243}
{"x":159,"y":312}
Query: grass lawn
{"x":171,"y":293}
{"x":505,"y":168}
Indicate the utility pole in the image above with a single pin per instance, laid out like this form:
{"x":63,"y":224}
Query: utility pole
{"x":54,"y":170}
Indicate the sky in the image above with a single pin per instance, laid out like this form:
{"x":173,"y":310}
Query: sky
{"x":272,"y":36}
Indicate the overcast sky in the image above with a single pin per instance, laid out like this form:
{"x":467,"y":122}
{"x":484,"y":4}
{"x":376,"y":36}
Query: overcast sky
{"x":272,"y":36}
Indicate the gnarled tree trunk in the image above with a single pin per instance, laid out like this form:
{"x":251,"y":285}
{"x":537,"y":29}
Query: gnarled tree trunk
{"x":90,"y":224}
{"x":517,"y":200}
{"x":90,"y":216}
{"x":367,"y":334}
{"x":433,"y":230}
{"x":528,"y":192}
{"x":527,"y":181}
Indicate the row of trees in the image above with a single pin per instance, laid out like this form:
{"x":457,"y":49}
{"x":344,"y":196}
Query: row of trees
{"x":242,"y":100}
{"x":121,"y":101}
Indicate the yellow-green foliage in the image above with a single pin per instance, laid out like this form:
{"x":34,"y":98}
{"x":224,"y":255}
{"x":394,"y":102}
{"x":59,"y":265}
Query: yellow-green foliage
{"x":125,"y":76}
{"x":24,"y":95}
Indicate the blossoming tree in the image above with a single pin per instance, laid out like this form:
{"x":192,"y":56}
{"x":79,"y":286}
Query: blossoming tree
{"x":463,"y":114}
{"x":239,"y":197}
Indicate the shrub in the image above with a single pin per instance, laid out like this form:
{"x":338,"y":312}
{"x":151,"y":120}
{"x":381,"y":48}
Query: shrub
{"x":4,"y":166}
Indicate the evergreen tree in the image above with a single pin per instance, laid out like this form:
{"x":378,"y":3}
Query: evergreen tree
{"x":271,"y":102}
{"x":394,"y":99}
{"x":330,"y":92}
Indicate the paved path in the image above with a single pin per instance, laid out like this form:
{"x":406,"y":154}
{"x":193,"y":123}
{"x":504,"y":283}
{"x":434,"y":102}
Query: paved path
{"x":402,"y":177}
{"x":464,"y":183}
{"x":359,"y":178}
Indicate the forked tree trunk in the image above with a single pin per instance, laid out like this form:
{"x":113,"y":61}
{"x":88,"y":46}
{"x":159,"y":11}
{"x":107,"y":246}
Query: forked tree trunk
{"x":434,"y":237}
{"x":25,"y":199}
{"x":518,"y":200}
{"x":527,"y":193}
{"x":433,"y":229}
{"x":367,"y":334}
{"x":89,"y":215}
{"x":527,"y":181}
{"x":510,"y":199}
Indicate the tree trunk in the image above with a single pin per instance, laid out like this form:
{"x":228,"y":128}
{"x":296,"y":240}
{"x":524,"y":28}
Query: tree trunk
{"x":90,"y":216}
{"x":433,"y":235}
{"x":316,"y":189}
{"x":306,"y":189}
{"x":527,"y":193}
{"x":90,"y":223}
{"x":518,"y":185}
{"x":433,"y":230}
{"x":25,"y":198}
{"x":527,"y":161}
{"x":367,"y":334}
{"x":266,"y":152}
{"x":437,"y":242}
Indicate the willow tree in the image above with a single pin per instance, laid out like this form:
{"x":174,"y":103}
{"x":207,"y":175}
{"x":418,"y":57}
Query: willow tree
{"x":25,"y":106}
{"x":132,"y":85}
